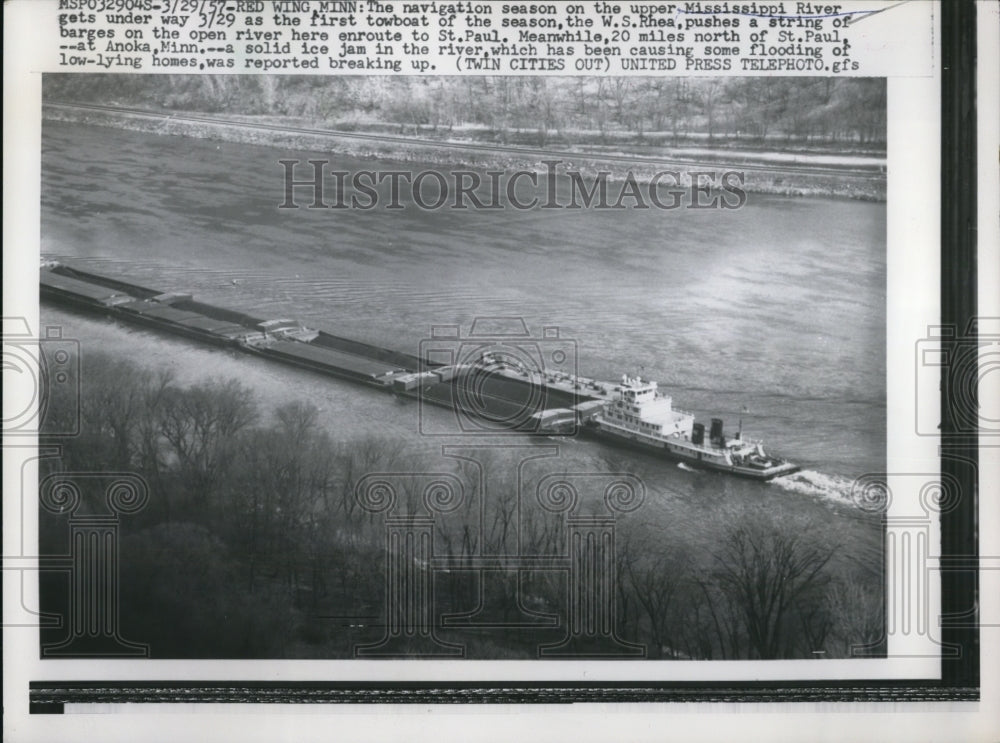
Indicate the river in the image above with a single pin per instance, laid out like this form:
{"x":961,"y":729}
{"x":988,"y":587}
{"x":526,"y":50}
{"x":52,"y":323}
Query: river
{"x":777,"y":308}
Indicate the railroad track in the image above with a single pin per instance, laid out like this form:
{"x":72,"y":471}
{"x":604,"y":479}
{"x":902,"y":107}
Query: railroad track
{"x":869,"y":173}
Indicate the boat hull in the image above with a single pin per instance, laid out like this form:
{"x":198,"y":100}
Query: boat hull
{"x":663,"y":450}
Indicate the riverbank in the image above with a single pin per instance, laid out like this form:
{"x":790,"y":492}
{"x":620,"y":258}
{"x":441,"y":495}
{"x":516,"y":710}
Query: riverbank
{"x":764,"y":173}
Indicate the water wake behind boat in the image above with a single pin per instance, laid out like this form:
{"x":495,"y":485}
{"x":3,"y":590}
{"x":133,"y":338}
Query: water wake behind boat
{"x":818,"y":485}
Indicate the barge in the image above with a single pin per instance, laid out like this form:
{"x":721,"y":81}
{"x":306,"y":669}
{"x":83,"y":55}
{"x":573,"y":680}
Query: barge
{"x":502,"y":395}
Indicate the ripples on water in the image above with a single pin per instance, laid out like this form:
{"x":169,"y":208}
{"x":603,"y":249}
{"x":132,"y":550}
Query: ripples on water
{"x":778,"y":307}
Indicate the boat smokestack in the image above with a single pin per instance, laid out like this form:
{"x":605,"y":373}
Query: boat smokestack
{"x":715,"y":435}
{"x":698,"y":433}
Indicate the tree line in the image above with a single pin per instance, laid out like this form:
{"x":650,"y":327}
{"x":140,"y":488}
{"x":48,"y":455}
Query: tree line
{"x":828,"y":112}
{"x":254,"y":543}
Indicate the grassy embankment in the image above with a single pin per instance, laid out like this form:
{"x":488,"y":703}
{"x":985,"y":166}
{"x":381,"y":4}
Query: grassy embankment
{"x":587,"y":158}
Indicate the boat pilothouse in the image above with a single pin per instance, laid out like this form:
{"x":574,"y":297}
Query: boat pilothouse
{"x":638,"y":413}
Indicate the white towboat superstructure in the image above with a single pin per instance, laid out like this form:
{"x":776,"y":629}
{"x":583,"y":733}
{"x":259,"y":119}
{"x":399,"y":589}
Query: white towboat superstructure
{"x":637,"y":414}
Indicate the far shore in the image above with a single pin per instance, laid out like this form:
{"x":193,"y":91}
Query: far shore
{"x":797,"y":182}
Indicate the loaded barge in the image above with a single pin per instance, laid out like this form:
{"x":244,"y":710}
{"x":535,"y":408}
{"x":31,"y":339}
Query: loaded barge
{"x":497,"y":391}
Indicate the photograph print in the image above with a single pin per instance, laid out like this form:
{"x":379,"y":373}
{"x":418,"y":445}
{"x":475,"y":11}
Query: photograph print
{"x":479,"y":367}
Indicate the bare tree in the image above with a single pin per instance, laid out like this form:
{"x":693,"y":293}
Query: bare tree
{"x":656,"y":580}
{"x":200,"y":424}
{"x":770,"y":572}
{"x":708,"y":97}
{"x":857,"y":617}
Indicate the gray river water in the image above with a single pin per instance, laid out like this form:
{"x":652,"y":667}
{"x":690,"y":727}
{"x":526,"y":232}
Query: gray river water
{"x":778,"y":307}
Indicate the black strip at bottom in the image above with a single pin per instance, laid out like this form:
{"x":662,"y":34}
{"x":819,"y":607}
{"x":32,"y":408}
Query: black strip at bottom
{"x":53,"y":693}
{"x":45,"y":708}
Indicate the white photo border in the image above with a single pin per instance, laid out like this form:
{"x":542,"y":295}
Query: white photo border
{"x":913,"y":116}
